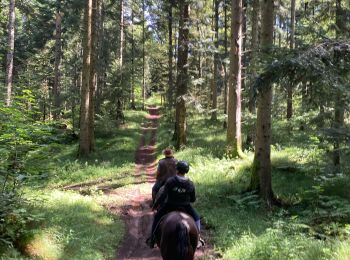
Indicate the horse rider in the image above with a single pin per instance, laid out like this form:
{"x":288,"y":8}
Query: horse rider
{"x":166,"y":168}
{"x":179,"y":192}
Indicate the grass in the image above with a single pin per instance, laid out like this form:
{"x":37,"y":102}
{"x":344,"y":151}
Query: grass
{"x":57,"y":164}
{"x":242,"y":227}
{"x":75,"y":227}
{"x":315,"y":225}
{"x":72,"y":226}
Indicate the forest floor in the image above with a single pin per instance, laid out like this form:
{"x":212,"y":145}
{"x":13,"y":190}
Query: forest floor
{"x":136,"y":211}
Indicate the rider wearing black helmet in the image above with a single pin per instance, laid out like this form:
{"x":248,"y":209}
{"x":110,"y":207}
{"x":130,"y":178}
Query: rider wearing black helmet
{"x":179,"y":192}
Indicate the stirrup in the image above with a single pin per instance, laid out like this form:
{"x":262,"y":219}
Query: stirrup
{"x":150,"y":242}
{"x":201,"y":242}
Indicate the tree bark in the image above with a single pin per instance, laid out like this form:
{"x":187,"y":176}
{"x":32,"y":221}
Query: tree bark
{"x":119,"y":93}
{"x":291,"y":46}
{"x":225,"y":66}
{"x":92,"y":79}
{"x":234,"y":137}
{"x":216,"y":58}
{"x":10,"y":51}
{"x":170,"y":56}
{"x":339,"y":101}
{"x":143,"y":55}
{"x":86,"y":138}
{"x":182,"y":76}
{"x":58,"y":53}
{"x":133,"y":106}
{"x":254,"y":63}
{"x":255,"y":51}
{"x":121,"y":39}
{"x":261,"y":173}
{"x":101,"y":60}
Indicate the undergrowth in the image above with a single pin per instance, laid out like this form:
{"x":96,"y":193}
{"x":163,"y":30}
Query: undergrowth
{"x":60,"y":224}
{"x":312,"y":225}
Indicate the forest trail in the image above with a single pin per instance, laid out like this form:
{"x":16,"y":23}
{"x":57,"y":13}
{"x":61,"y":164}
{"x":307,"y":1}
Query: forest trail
{"x":136,"y":212}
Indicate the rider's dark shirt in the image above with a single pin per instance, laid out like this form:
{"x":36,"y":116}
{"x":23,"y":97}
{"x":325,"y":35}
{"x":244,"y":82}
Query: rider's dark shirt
{"x":166,"y":169}
{"x":178,"y":191}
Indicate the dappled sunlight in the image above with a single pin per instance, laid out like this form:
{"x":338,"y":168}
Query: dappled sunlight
{"x":45,"y":244}
{"x":74,"y":223}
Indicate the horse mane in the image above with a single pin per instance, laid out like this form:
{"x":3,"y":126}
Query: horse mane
{"x":183,"y":241}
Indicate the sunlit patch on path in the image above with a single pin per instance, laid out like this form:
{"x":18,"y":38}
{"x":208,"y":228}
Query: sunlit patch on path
{"x":136,"y":212}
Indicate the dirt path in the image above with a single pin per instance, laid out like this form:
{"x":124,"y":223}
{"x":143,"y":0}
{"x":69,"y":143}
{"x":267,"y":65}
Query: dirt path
{"x":136,"y":212}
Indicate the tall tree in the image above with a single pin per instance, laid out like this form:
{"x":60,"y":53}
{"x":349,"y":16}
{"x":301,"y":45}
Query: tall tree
{"x":101,"y":60}
{"x":234,"y":137}
{"x":170,"y":55}
{"x":216,"y":61}
{"x":255,"y":49}
{"x":182,"y":74}
{"x":253,"y":64}
{"x":10,"y":50}
{"x":339,"y":96}
{"x":86,"y":138}
{"x":261,"y":172}
{"x":121,"y":38}
{"x":291,"y":46}
{"x":132,"y":59}
{"x":143,"y":54}
{"x":225,"y":66}
{"x":58,"y":54}
{"x":119,"y":114}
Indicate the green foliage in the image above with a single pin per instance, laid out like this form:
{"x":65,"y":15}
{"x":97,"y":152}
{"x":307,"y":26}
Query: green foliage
{"x":72,"y":226}
{"x":14,"y":219}
{"x":114,"y":157}
{"x":313,"y":224}
{"x":51,"y":223}
{"x":319,"y":64}
{"x":20,"y":134}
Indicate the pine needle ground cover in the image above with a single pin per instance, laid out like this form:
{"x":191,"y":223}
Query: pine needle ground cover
{"x":313,"y":223}
{"x":70,"y":223}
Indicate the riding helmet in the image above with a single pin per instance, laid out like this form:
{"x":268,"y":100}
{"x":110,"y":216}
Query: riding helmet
{"x":182,"y":166}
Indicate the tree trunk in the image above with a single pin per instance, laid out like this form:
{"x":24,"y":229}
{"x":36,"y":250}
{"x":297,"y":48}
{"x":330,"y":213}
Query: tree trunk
{"x":10,"y":51}
{"x":261,"y":172}
{"x":254,"y":63}
{"x":225,"y":65}
{"x":291,"y":46}
{"x":182,"y":76}
{"x":92,"y":79}
{"x":133,"y":106}
{"x":121,"y":39}
{"x":339,"y":109}
{"x":143,"y":55}
{"x":170,"y":56}
{"x":119,"y":95}
{"x":58,"y":53}
{"x":86,"y":142}
{"x":216,"y":58}
{"x":234,"y":138}
{"x":255,"y":51}
{"x":101,"y":65}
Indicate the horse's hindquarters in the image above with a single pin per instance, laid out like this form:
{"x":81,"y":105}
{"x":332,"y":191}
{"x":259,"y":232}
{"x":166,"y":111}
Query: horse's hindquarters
{"x":177,"y":236}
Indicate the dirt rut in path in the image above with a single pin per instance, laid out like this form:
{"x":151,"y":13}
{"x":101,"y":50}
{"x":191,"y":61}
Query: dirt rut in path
{"x":137,"y":213}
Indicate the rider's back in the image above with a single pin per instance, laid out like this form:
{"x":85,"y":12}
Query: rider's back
{"x":166,"y":169}
{"x":180,"y":191}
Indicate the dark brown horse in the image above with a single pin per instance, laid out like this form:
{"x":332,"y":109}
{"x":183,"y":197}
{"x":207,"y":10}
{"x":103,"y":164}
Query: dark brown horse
{"x":177,"y":236}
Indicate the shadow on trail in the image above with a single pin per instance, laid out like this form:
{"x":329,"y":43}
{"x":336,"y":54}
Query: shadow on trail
{"x":137,"y":213}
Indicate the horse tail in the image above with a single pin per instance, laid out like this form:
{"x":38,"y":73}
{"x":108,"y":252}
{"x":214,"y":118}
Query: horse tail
{"x":183,"y":241}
